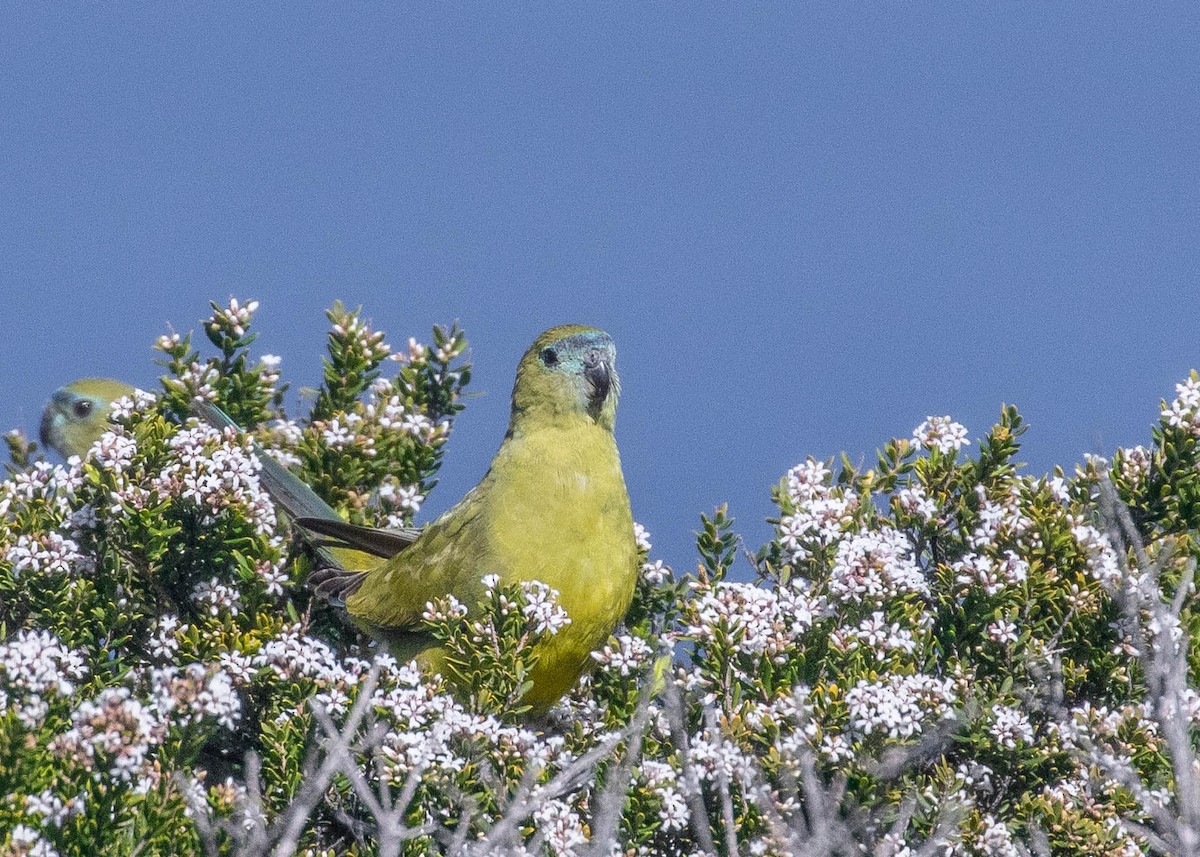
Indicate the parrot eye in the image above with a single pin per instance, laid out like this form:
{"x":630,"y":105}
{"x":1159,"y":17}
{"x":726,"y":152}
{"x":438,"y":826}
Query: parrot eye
{"x":549,"y":356}
{"x":81,"y":408}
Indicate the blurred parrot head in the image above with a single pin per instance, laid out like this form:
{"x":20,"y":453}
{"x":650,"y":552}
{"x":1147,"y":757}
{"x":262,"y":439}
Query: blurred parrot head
{"x":569,"y":371}
{"x":77,"y":414}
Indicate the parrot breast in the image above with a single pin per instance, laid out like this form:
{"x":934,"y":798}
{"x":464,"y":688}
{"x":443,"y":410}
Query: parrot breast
{"x":565,"y":520}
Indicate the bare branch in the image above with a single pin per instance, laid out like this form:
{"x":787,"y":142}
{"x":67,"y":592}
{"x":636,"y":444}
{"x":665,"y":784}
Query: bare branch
{"x":286,"y":829}
{"x":697,"y":811}
{"x":1164,"y":662}
{"x":611,"y":800}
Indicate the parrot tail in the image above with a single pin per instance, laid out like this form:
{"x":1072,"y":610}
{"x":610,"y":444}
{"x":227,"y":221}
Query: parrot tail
{"x":385,"y":543}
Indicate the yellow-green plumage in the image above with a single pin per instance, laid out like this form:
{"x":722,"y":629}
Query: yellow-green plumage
{"x":552,"y":507}
{"x":77,"y":414}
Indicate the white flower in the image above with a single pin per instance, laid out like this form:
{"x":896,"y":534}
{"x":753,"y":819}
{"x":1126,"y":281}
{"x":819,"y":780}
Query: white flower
{"x":238,"y":666}
{"x":542,"y":608}
{"x":1164,"y":627}
{"x":821,"y":513}
{"x":291,"y":655}
{"x":55,"y":486}
{"x":138,"y":402}
{"x":996,"y":840}
{"x":999,"y":520}
{"x":215,"y":471}
{"x":629,"y":656}
{"x":410,"y":498}
{"x":753,"y":620}
{"x":53,"y":810}
{"x":285,"y":433}
{"x":898,"y":705}
{"x":717,"y":758}
{"x":197,"y":380}
{"x":47,"y":553}
{"x":655,"y":573}
{"x":874,"y":567}
{"x":1103,"y":563}
{"x":164,"y":643}
{"x":835,"y":748}
{"x":191,"y":693}
{"x":882,"y":637}
{"x":419,"y":426}
{"x":114,"y":730}
{"x":942,"y":434}
{"x":27,"y":842}
{"x":561,"y":826}
{"x":445,"y":609}
{"x":642,"y":536}
{"x":417,"y":352}
{"x":338,"y":436}
{"x":1010,"y":726}
{"x":808,"y":481}
{"x":1183,"y":412}
{"x":916,"y":502}
{"x":1002,"y":631}
{"x":990,"y":574}
{"x":234,"y":318}
{"x":1135,"y":464}
{"x":1058,"y":489}
{"x":273,"y":576}
{"x":217,"y":596}
{"x":356,"y":334}
{"x":674,"y":811}
{"x":449,"y":349}
{"x":33,"y":665}
{"x":974,"y":775}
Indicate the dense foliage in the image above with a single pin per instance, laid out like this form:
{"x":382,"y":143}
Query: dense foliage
{"x":940,"y":654}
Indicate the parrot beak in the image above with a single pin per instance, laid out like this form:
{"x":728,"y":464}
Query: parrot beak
{"x":48,"y":429}
{"x":597,"y":369}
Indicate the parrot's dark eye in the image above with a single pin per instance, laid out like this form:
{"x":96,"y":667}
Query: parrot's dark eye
{"x":81,"y":408}
{"x":549,"y":356}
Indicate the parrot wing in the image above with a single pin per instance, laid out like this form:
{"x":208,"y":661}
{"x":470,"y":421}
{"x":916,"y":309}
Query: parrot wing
{"x":328,"y":579}
{"x":449,"y":557}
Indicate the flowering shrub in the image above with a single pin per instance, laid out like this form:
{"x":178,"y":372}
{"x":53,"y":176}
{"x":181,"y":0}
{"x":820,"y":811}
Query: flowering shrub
{"x":936,"y":654}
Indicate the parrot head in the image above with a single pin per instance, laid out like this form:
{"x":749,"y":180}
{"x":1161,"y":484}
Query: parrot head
{"x":77,"y":414}
{"x":569,"y":370}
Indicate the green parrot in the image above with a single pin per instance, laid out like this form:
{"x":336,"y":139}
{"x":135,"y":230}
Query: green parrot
{"x":552,"y":507}
{"x":77,"y":414}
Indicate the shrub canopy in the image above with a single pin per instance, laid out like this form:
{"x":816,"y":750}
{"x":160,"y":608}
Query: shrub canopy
{"x":937,"y":649}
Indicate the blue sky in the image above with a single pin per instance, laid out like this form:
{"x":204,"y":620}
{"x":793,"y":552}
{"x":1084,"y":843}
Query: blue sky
{"x":806,"y":226}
